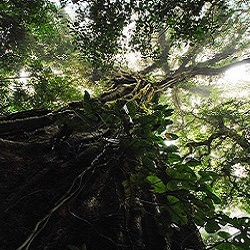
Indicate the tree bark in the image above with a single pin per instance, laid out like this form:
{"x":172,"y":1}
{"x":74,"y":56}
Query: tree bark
{"x":62,"y":181}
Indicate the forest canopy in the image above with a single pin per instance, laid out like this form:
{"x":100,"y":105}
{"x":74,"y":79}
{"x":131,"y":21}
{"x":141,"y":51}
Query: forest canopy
{"x":127,"y":121}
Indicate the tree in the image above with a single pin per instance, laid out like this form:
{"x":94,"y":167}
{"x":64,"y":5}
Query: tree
{"x":18,"y":20}
{"x":214,"y":131}
{"x":98,"y":172}
{"x":39,"y":67}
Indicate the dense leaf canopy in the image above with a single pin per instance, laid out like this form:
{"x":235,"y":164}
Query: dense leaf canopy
{"x":99,"y":25}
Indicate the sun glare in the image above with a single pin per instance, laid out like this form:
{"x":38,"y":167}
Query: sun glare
{"x":70,"y":9}
{"x":23,"y":73}
{"x":239,"y":73}
{"x":235,"y":83}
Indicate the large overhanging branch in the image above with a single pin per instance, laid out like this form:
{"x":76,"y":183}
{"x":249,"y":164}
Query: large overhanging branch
{"x":226,"y":53}
{"x":192,"y":65}
{"x":230,"y":49}
{"x":208,"y":71}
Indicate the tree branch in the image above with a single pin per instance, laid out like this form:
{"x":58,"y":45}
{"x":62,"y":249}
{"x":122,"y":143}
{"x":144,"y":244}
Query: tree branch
{"x":165,"y":46}
{"x":208,"y":71}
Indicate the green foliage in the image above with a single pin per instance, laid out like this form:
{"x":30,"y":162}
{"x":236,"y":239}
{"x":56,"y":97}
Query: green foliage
{"x":41,"y":92}
{"x":100,"y":25}
{"x":190,"y":169}
{"x":185,"y":193}
{"x":223,"y":146}
{"x":158,"y":185}
{"x":38,"y":67}
{"x":215,"y":132}
{"x":21,"y":23}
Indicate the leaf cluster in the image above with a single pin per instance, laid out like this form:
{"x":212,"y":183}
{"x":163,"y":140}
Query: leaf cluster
{"x":184,"y":190}
{"x":100,"y":26}
{"x":19,"y":22}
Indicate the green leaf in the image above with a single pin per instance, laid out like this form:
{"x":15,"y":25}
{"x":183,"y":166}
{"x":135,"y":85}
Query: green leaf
{"x":200,"y":218}
{"x":183,"y":173}
{"x":158,"y":185}
{"x":224,"y":234}
{"x":215,"y":198}
{"x":178,"y":213}
{"x":172,"y":199}
{"x":193,"y":163}
{"x":86,"y":96}
{"x":212,"y":226}
{"x":178,"y":185}
{"x":208,"y":176}
{"x":226,"y":246}
{"x":153,"y":179}
{"x":242,"y":241}
{"x":160,"y":188}
{"x":210,"y":205}
{"x":148,"y":163}
{"x":171,"y":148}
{"x":172,"y":158}
{"x":243,"y":221}
{"x":173,"y":185}
{"x":168,"y":112}
{"x":131,"y":108}
{"x":210,"y":195}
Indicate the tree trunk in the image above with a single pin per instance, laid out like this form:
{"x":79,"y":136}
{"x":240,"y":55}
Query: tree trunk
{"x":62,"y":183}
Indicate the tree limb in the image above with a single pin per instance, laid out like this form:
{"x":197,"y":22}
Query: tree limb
{"x":165,"y":46}
{"x":208,"y":71}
